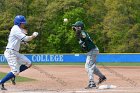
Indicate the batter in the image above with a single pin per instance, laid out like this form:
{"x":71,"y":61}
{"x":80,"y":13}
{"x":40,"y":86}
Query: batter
{"x":16,"y":61}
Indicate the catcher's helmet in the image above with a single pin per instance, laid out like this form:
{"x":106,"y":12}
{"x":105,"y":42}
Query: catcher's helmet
{"x":19,"y":19}
{"x":79,"y":24}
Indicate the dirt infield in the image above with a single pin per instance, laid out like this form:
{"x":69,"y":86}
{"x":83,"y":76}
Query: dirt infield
{"x":73,"y":79}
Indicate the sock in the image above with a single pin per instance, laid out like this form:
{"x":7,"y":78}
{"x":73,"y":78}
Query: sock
{"x":23,"y":67}
{"x":7,"y":77}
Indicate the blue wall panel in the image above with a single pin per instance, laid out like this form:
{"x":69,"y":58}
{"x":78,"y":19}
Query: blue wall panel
{"x":79,"y":58}
{"x":57,"y":57}
{"x":119,"y":58}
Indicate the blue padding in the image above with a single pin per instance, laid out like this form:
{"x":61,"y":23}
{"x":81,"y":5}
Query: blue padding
{"x":79,"y":58}
{"x":118,"y":58}
{"x":57,"y":57}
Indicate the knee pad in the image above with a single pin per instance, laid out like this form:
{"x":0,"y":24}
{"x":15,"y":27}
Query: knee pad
{"x":15,"y":72}
{"x":28,"y":65}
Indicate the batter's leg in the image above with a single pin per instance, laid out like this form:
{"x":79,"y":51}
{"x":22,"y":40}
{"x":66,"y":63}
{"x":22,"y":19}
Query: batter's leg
{"x":2,"y":87}
{"x":7,"y":77}
{"x":13,"y":80}
{"x":12,"y":61}
{"x":25,"y":64}
{"x":22,"y":68}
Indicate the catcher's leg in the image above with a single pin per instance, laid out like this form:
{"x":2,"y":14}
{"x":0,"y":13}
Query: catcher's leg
{"x":89,"y":68}
{"x":102,"y":78}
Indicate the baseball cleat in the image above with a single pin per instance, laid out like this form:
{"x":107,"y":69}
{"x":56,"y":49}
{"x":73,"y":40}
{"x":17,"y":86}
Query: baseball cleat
{"x":101,"y":80}
{"x":90,"y":86}
{"x":2,"y":87}
{"x":13,"y":81}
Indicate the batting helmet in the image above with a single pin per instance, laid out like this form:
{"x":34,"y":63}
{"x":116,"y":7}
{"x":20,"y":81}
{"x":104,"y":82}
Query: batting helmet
{"x":79,"y":24}
{"x":19,"y":19}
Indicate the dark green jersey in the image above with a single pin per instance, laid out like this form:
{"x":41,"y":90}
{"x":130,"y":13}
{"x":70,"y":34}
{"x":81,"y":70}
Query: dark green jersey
{"x":86,"y":42}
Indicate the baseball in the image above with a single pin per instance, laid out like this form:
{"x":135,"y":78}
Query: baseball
{"x":65,"y":20}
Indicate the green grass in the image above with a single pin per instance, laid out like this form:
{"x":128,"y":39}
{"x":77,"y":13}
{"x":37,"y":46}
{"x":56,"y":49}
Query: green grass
{"x":119,"y":64}
{"x":106,"y":64}
{"x":58,"y":63}
{"x":18,"y":78}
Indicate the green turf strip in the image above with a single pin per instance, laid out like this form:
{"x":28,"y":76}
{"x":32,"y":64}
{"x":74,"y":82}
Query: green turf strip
{"x":18,"y":78}
{"x":119,"y":64}
{"x":105,"y":63}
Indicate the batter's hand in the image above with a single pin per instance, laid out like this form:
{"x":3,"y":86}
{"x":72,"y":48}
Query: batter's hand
{"x":35,"y":34}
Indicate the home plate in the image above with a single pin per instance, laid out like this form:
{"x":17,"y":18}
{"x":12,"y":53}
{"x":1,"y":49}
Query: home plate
{"x":107,"y":87}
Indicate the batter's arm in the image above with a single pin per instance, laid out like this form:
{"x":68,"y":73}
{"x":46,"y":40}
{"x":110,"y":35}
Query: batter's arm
{"x":29,"y":38}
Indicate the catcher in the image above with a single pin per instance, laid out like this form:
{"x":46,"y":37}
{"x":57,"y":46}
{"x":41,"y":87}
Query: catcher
{"x":87,"y":44}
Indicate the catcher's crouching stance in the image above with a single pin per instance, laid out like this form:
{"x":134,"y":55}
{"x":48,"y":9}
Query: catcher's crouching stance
{"x":16,"y":61}
{"x":87,"y":44}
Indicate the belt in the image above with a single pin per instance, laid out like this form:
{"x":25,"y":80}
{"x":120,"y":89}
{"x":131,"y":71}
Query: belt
{"x":12,"y":49}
